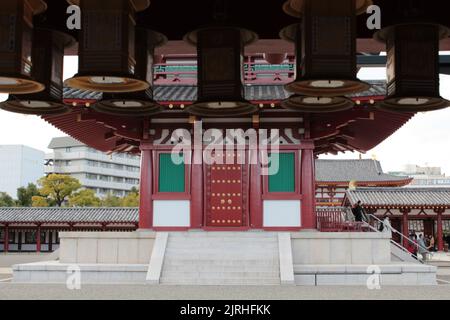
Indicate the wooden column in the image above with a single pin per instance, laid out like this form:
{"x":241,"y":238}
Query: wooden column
{"x":50,"y":241}
{"x":256,"y":216}
{"x":405,"y":225}
{"x":197,"y":186}
{"x":440,"y":233}
{"x":307,"y":185}
{"x":6,"y":239}
{"x":38,"y":239}
{"x":19,"y":240}
{"x":146,"y":186}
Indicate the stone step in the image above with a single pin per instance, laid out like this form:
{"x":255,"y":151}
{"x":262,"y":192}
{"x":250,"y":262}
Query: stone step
{"x":220,"y":262}
{"x":225,"y":250}
{"x":209,"y":242}
{"x":217,"y":282}
{"x":206,"y":242}
{"x":233,"y":248}
{"x":221,"y":258}
{"x":219,"y":275}
{"x":195,"y":256}
{"x":219,"y":268}
{"x":246,"y":235}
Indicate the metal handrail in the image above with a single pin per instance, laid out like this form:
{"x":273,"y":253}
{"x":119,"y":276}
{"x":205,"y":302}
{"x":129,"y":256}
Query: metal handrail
{"x":395,"y":243}
{"x":401,"y":236}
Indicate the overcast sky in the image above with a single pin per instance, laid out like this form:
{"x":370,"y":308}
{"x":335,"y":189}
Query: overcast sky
{"x":424,"y":140}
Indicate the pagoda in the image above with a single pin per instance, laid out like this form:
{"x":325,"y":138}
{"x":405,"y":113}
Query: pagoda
{"x":229,"y":103}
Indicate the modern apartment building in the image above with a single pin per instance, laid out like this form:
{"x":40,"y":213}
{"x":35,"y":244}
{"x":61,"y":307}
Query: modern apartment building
{"x":116,"y":173}
{"x":431,"y":177}
{"x":19,"y":166}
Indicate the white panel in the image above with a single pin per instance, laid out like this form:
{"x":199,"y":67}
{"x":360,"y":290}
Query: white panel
{"x":282,"y":213}
{"x":171,"y":213}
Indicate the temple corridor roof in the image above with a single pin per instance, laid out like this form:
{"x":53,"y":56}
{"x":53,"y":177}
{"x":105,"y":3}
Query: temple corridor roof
{"x":400,"y":197}
{"x":69,"y":215}
{"x":361,"y":171}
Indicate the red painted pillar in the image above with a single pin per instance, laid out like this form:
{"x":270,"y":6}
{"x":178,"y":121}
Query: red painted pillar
{"x":440,"y":233}
{"x":38,"y":239}
{"x":146,"y":186}
{"x":405,"y":227}
{"x":308,"y":185}
{"x":256,"y":215}
{"x":6,"y":239}
{"x":197,"y":187}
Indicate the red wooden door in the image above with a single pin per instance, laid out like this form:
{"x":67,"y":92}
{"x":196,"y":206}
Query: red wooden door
{"x":226,"y":198}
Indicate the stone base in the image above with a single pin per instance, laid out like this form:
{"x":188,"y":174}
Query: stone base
{"x":406,"y":274}
{"x":238,"y":258}
{"x":60,"y":273}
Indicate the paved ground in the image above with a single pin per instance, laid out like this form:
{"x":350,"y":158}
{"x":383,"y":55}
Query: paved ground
{"x":7,"y":260}
{"x":27,"y":291}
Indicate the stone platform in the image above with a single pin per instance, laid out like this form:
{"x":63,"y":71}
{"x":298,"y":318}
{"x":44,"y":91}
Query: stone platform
{"x":226,"y":258}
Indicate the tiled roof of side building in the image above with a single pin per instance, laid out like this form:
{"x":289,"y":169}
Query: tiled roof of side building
{"x":400,"y":197}
{"x":189,"y":93}
{"x":365,"y":170}
{"x":69,"y":215}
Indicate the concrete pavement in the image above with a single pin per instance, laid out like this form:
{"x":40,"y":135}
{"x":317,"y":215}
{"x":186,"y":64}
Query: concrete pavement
{"x":141,"y":292}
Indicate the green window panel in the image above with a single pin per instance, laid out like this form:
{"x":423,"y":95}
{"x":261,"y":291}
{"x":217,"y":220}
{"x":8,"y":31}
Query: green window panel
{"x":171,"y":175}
{"x":284,"y":180}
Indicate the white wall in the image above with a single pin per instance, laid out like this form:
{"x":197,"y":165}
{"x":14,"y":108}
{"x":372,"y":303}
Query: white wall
{"x":171,"y":213}
{"x":282,"y":213}
{"x":19,"y":166}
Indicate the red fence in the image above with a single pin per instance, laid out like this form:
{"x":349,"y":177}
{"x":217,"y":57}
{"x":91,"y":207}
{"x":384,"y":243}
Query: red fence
{"x":333,"y":220}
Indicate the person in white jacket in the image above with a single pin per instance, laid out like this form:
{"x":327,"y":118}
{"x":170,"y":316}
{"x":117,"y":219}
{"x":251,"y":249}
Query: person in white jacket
{"x":387,"y":227}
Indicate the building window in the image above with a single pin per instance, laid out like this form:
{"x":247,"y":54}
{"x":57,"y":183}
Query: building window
{"x":105,"y":165}
{"x":416,"y":225}
{"x":284,"y":179}
{"x":91,"y":176}
{"x":92,"y":163}
{"x":118,"y":167}
{"x":68,"y":149}
{"x":117,"y":193}
{"x":171,"y":175}
{"x":131,"y":181}
{"x":104,"y":178}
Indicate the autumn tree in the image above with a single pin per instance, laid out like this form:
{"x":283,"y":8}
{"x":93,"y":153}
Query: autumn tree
{"x":58,"y":187}
{"x":39,"y":202}
{"x":111,"y":200}
{"x":131,"y":199}
{"x":84,"y":198}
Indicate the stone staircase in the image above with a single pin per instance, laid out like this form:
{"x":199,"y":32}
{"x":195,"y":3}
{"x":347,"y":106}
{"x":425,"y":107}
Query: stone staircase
{"x":221,"y":258}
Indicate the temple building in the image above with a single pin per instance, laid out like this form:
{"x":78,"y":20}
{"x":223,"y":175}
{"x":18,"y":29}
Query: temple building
{"x":333,"y":178}
{"x":229,"y":111}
